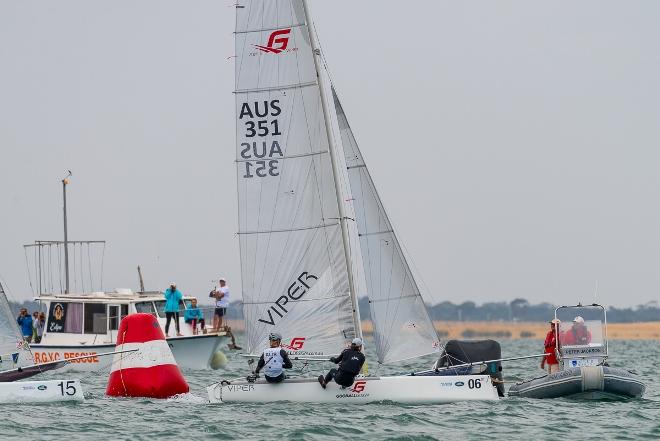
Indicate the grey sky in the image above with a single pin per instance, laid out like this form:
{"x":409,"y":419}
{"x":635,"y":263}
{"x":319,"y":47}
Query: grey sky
{"x":514,"y":143}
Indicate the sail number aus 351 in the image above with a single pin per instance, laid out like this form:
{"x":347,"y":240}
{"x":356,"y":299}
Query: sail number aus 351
{"x":261,"y":148}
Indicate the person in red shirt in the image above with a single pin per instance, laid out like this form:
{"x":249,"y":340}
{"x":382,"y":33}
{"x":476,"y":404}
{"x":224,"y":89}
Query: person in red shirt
{"x":550,"y":345}
{"x":578,"y":334}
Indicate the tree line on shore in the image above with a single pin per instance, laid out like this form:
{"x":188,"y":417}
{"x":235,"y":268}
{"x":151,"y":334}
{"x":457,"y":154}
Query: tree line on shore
{"x":518,"y":309}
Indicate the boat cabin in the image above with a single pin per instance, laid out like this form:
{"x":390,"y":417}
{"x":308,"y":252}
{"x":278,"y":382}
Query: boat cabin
{"x":582,"y":335}
{"x":74,"y":319}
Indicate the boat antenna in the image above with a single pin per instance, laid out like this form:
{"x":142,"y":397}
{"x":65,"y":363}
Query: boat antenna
{"x":596,"y":293}
{"x":65,"y":182}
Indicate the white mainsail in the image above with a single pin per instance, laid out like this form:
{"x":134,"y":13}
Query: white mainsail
{"x":14,"y":352}
{"x":294,"y":269}
{"x":402,"y":327}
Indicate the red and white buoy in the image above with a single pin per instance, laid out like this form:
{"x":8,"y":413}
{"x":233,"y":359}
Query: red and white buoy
{"x":151,"y":371}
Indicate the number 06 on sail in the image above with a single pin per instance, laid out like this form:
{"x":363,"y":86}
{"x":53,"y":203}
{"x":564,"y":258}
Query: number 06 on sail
{"x":313,"y":232}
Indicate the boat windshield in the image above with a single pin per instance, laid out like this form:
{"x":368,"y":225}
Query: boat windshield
{"x":160,"y":307}
{"x":588,"y":333}
{"x":582,"y":335}
{"x":145,"y":307}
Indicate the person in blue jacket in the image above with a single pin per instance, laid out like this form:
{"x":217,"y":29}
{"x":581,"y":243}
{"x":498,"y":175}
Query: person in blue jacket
{"x":193,"y":315}
{"x":24,"y":320}
{"x":172,"y":299}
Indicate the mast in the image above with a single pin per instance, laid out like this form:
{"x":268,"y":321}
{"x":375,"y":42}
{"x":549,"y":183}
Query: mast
{"x":335,"y":171}
{"x":65,"y":181}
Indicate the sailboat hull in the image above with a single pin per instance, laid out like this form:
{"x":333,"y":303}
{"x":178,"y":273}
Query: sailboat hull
{"x":50,"y":391}
{"x":399,"y":389}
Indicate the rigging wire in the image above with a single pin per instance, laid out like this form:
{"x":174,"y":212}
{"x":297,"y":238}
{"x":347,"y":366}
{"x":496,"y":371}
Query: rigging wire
{"x":27,"y":266}
{"x":102,"y":260}
{"x":89,"y":269}
{"x":75,"y":277}
{"x":59,"y":265}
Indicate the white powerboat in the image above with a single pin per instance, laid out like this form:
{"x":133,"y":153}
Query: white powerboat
{"x":86,"y":324}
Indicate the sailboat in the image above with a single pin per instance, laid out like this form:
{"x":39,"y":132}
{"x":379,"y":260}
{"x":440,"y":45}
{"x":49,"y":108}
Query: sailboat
{"x":313,"y":232}
{"x":17,"y":363}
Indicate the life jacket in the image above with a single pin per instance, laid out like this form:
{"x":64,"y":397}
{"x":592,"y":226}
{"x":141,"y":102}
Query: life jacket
{"x":274,"y":362}
{"x":580,"y":336}
{"x":549,"y":345}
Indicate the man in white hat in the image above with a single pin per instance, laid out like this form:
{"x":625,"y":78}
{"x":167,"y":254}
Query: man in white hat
{"x":350,"y":363}
{"x":221,"y":294}
{"x":578,"y":334}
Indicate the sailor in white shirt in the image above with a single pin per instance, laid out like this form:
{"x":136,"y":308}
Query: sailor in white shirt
{"x":221,"y":294}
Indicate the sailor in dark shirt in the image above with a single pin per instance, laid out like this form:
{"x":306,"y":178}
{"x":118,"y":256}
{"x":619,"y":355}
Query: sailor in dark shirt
{"x":273,"y":360}
{"x":350,"y":363}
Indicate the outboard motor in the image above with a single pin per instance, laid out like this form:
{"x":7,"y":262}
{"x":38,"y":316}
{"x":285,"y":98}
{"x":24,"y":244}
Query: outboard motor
{"x":458,"y":352}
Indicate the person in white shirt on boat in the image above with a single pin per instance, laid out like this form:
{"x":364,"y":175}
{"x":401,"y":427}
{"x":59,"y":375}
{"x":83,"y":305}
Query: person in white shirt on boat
{"x":350,"y":363}
{"x":273,"y":361}
{"x":221,"y":295}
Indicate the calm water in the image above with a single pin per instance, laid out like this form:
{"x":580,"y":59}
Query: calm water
{"x":192,"y":418}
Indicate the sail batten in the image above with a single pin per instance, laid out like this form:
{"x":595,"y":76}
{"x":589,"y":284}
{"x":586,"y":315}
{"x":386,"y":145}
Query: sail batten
{"x":282,"y":87}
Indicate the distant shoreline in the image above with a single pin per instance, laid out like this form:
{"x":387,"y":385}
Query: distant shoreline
{"x":516,"y":330}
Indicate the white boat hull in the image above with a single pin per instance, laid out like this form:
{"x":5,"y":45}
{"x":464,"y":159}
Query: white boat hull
{"x":189,"y":352}
{"x":41,"y":391}
{"x":399,"y":389}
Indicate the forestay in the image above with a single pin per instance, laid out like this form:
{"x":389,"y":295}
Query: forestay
{"x":402,"y":327}
{"x":293,"y":262}
{"x":14,"y":352}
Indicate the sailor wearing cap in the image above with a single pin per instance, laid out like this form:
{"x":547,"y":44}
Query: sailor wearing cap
{"x":579,"y":334}
{"x":550,"y":346}
{"x":273,"y":360}
{"x":350,"y":363}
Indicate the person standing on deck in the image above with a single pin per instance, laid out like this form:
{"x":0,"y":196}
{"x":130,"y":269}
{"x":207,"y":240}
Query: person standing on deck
{"x":24,"y":321}
{"x":39,"y":326}
{"x":550,"y":345}
{"x":273,"y":360}
{"x":35,"y":317}
{"x":172,"y":299}
{"x":221,"y":295}
{"x":350,"y":363}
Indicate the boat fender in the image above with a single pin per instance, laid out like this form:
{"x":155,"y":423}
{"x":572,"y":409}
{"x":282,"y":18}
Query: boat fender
{"x":149,"y":372}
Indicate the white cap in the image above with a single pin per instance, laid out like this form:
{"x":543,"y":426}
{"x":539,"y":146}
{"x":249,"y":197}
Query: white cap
{"x":222,"y":279}
{"x":173,"y":284}
{"x":357,"y":341}
{"x":578,"y":319}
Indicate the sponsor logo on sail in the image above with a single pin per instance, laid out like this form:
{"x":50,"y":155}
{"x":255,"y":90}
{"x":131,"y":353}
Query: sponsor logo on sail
{"x":296,"y":344}
{"x":296,"y":291}
{"x":277,"y":42}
